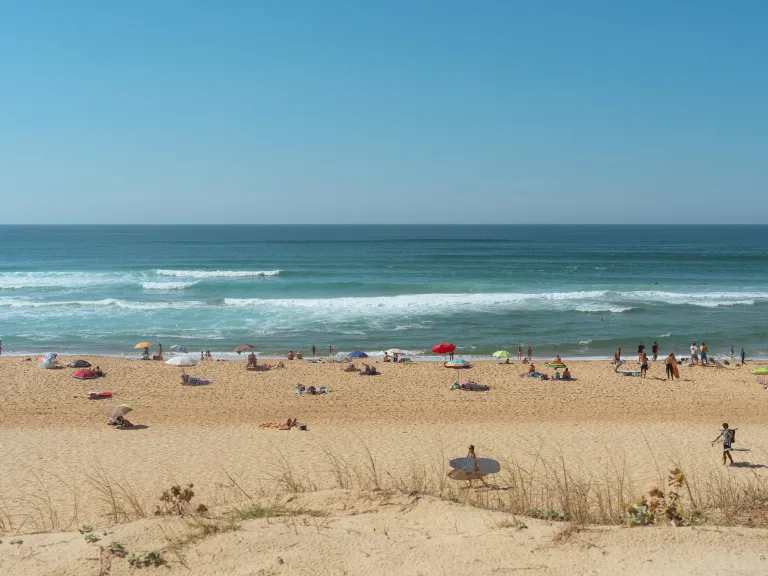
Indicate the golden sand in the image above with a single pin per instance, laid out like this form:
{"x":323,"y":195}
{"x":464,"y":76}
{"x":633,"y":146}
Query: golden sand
{"x":56,"y":441}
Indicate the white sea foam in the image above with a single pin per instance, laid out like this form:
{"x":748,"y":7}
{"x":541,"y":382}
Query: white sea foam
{"x":95,"y":304}
{"x":167,"y":285}
{"x":585,"y":341}
{"x":219,"y":273}
{"x":667,"y":335}
{"x":589,"y":301}
{"x":24,"y":280}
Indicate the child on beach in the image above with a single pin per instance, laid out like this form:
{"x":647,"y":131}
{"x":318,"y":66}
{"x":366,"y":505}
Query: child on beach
{"x":743,"y":356}
{"x":617,"y":359}
{"x":643,"y":365}
{"x":727,"y":437}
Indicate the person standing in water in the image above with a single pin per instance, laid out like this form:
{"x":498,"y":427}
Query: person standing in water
{"x":530,"y":353}
{"x":314,"y":350}
{"x":655,"y":349}
{"x":743,"y":356}
{"x":519,"y":352}
{"x":732,"y":353}
{"x":727,"y":437}
{"x":330,"y":350}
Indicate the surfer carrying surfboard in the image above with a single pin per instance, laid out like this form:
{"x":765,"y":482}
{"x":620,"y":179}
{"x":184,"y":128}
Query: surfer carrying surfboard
{"x":476,"y":467}
{"x":671,"y":365}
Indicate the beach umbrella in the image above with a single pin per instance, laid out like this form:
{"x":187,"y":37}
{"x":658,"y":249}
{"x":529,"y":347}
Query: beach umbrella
{"x":357,"y":354}
{"x":244,"y":347}
{"x":79,"y":364}
{"x":444,"y":348}
{"x":143,"y":345}
{"x":396,"y":351}
{"x":179,"y":348}
{"x":760,"y":371}
{"x":182,"y":361}
{"x":121,"y":410}
{"x":458,"y":364}
{"x":83,"y":374}
{"x":340,"y":357}
{"x":502,"y":354}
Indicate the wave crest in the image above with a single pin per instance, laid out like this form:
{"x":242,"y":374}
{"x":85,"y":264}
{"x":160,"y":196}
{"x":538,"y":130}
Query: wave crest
{"x":219,"y":273}
{"x":167,"y":285}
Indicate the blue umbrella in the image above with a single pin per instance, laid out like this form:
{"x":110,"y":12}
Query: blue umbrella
{"x":357,"y":354}
{"x":179,"y":348}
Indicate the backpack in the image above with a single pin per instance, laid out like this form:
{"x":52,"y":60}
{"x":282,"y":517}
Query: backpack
{"x":732,"y":433}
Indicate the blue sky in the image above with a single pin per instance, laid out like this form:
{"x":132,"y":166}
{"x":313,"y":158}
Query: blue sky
{"x":193,"y":111}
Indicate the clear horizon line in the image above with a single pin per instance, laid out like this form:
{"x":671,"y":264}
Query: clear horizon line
{"x":346,"y":224}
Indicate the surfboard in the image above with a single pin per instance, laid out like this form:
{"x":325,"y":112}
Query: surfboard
{"x":484,"y":465}
{"x":675,"y":371}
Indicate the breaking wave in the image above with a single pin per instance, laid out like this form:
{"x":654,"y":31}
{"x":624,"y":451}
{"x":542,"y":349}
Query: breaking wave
{"x":167,"y":285}
{"x":219,"y":273}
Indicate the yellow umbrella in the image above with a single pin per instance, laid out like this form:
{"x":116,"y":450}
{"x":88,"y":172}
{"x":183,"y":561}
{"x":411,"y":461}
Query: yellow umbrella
{"x":143,"y":345}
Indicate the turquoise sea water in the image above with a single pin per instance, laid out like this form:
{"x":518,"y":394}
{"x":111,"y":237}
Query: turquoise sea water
{"x":574,"y":290}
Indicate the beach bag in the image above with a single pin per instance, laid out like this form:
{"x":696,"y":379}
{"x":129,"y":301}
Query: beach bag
{"x":732,"y":433}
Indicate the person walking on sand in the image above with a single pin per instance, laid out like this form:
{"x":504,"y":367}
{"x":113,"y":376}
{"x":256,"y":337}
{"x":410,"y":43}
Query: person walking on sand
{"x":530,"y":353}
{"x":314,"y":350}
{"x":519,"y":352}
{"x":655,"y":349}
{"x":476,"y":468}
{"x":694,"y":357}
{"x":617,"y":359}
{"x":727,"y":437}
{"x":743,"y":356}
{"x":643,"y":365}
{"x":670,"y":363}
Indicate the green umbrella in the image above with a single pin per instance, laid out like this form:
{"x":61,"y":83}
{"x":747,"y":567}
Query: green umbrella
{"x":502,"y":354}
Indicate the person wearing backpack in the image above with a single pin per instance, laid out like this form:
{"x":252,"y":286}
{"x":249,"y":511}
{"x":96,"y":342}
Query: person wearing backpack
{"x":728,"y":437}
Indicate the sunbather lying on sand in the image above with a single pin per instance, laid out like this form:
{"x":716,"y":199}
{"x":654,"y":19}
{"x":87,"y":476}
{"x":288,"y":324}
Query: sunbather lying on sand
{"x":119,"y":422}
{"x":289,"y":425}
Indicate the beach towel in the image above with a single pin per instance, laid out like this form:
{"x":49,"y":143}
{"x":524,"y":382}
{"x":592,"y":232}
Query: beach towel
{"x":628,"y":372}
{"x":315,"y":392}
{"x":197,"y":381}
{"x":553,"y":365}
{"x":97,"y":395}
{"x":470,"y":387}
{"x":530,"y":375}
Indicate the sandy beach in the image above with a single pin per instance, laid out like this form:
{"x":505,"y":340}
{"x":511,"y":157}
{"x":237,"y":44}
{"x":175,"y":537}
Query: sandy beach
{"x":56,"y":443}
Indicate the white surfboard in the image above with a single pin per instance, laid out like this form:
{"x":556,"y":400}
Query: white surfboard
{"x":484,"y":465}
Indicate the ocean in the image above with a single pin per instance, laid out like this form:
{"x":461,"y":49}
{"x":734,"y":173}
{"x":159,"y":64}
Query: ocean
{"x":577,"y":291}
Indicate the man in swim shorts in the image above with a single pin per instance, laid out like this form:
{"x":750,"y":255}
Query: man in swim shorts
{"x":655,"y":349}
